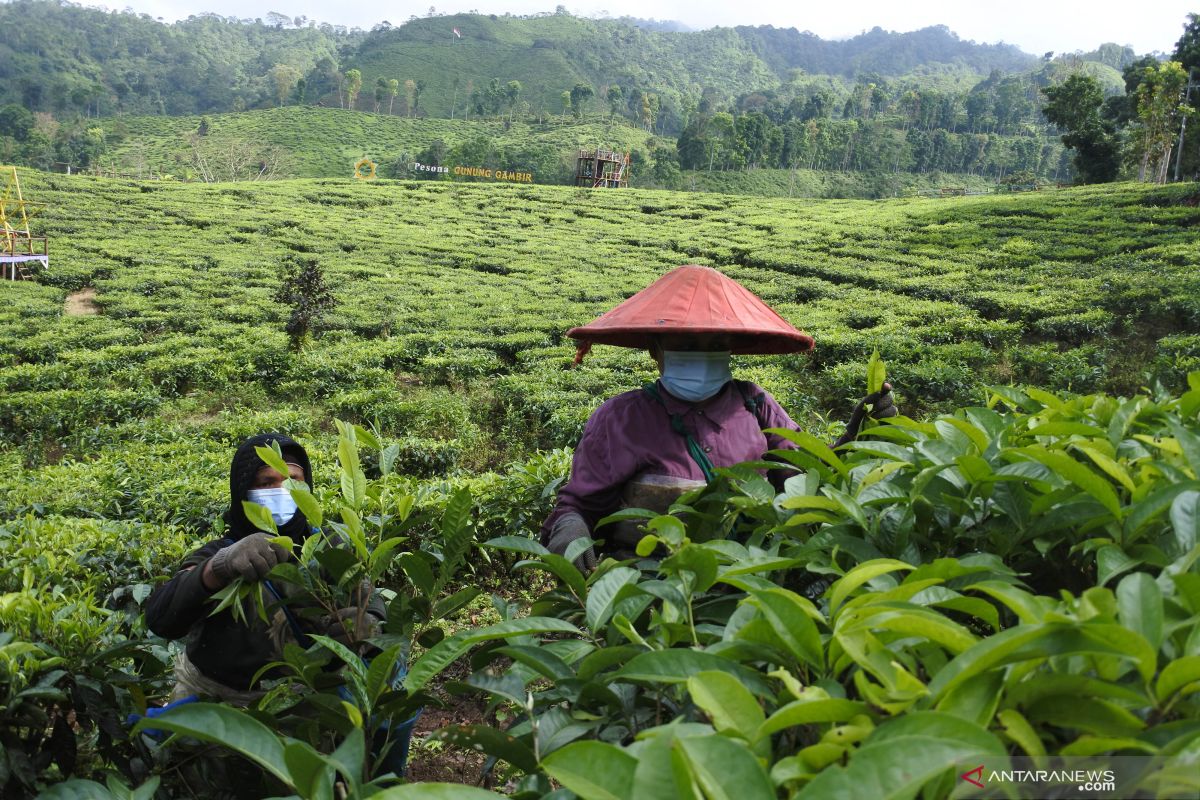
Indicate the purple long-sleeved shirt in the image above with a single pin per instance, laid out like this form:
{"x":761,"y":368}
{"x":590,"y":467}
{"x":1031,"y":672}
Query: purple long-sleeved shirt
{"x":630,"y":435}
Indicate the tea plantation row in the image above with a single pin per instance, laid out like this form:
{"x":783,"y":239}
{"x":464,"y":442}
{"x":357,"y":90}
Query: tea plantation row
{"x":454,"y":301}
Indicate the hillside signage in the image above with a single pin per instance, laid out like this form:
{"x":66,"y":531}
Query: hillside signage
{"x":476,"y":172}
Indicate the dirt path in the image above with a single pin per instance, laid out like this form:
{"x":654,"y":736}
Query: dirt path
{"x":81,"y":303}
{"x":445,"y":763}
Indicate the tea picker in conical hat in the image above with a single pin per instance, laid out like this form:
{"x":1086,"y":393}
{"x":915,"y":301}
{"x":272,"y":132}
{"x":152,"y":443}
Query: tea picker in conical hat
{"x":644,"y":448}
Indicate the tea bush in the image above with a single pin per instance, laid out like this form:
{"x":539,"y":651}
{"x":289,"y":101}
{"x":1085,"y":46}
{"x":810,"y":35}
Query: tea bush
{"x":1017,"y":579}
{"x":924,"y":649}
{"x":66,"y":415}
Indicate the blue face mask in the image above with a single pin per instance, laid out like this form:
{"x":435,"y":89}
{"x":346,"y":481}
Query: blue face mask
{"x":695,"y":375}
{"x":278,"y":501}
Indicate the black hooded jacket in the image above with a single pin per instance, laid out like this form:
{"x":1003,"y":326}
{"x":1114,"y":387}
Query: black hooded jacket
{"x":221,"y":647}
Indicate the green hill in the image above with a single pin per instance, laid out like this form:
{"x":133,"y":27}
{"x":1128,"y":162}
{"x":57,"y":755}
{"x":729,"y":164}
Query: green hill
{"x":63,"y":58}
{"x":550,"y":54}
{"x":878,"y":51}
{"x":736,"y":99}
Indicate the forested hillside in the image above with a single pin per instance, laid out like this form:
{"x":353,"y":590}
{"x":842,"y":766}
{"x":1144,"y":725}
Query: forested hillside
{"x":726,"y":99}
{"x":61,"y":58}
{"x":67,"y":59}
{"x":879,"y":51}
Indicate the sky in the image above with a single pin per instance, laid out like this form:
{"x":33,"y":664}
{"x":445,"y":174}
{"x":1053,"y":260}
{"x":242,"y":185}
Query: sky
{"x":1036,"y":26}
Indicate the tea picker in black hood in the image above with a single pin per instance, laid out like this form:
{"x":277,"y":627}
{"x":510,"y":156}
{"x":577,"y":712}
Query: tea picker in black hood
{"x":251,"y":479}
{"x":223,"y":654}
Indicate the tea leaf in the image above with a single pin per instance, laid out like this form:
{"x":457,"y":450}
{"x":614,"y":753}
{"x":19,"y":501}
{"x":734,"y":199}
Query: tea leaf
{"x":273,"y":457}
{"x":876,"y":372}
{"x":260,"y":517}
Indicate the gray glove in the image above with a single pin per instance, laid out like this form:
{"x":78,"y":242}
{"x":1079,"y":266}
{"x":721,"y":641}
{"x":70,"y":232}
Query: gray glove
{"x":250,"y":558}
{"x":567,"y":529}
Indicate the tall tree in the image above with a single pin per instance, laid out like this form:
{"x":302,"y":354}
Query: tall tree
{"x":818,"y":106}
{"x":691,"y":145}
{"x":656,"y":105}
{"x":580,"y":94}
{"x":650,"y":107}
{"x":15,"y":121}
{"x":381,"y":90}
{"x":1187,"y":49}
{"x":1160,"y":110}
{"x":512,"y":93}
{"x":616,"y":99}
{"x":721,"y":132}
{"x":410,"y":92}
{"x":393,"y":90}
{"x":1187,"y":53}
{"x":327,"y":71}
{"x":418,"y":90}
{"x":353,"y":86}
{"x":1121,"y":109}
{"x":284,"y":78}
{"x":1074,"y":106}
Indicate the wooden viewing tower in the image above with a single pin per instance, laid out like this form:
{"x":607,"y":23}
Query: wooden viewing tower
{"x":602,"y":168}
{"x":19,"y":249}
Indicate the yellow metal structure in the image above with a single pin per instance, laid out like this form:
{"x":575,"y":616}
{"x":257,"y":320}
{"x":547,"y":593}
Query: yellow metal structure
{"x":364,"y":170}
{"x":19,"y":247}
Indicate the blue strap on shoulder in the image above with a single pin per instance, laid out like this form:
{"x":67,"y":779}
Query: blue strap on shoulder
{"x":293,"y":623}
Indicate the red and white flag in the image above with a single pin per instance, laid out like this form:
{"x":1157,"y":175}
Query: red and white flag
{"x":457,"y":32}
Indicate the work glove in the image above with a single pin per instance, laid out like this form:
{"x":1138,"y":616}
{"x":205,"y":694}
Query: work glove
{"x":881,"y":405}
{"x":250,"y":558}
{"x":351,"y":626}
{"x":567,"y":529}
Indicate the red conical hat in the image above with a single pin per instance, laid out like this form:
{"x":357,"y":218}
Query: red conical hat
{"x":694,"y":299}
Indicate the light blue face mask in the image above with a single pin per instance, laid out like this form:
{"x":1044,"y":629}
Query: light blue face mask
{"x":695,"y":375}
{"x":278,"y":501}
